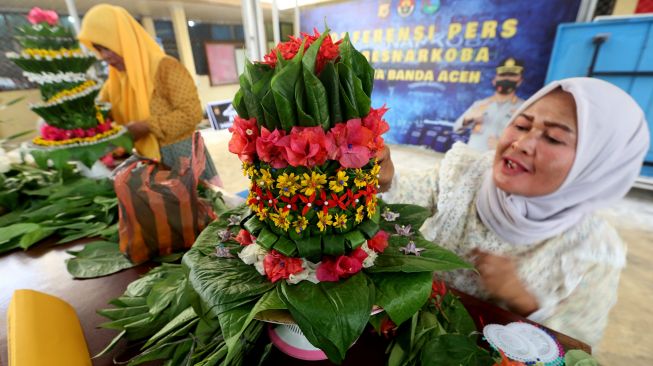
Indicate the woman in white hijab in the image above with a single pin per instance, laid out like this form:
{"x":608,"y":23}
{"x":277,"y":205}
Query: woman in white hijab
{"x":525,"y":213}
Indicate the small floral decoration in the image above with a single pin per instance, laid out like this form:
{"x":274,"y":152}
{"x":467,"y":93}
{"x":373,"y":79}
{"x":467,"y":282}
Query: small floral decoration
{"x":38,"y":15}
{"x":53,"y":136}
{"x":352,"y":143}
{"x":277,"y":266}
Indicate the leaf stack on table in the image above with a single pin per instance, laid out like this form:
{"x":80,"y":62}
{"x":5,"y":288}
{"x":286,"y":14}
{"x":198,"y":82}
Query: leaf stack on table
{"x":37,"y":203}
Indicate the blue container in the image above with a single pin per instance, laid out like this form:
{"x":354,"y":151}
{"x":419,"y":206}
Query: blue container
{"x":628,"y":48}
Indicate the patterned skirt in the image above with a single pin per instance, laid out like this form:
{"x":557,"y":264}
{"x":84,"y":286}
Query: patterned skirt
{"x":170,"y":154}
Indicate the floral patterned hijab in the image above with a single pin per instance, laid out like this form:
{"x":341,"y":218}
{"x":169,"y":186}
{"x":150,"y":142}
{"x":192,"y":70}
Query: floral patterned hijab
{"x":613,"y":138}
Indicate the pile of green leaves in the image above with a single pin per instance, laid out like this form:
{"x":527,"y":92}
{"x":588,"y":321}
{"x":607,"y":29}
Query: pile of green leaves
{"x":293,"y":94}
{"x":441,"y":333}
{"x":39,"y":203}
{"x":157,"y":307}
{"x":229,"y":295}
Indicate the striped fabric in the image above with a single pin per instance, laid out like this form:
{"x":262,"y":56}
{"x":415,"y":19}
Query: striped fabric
{"x":159,"y":209}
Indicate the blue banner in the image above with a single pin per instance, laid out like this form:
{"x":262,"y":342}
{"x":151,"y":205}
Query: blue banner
{"x":434,"y":59}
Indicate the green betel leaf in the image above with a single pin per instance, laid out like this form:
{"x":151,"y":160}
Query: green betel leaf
{"x":332,"y":315}
{"x":311,"y":53}
{"x":454,"y":349}
{"x":329,"y":78}
{"x":180,"y":320}
{"x":232,"y":332}
{"x":412,"y":215}
{"x":346,"y":51}
{"x":457,"y":319}
{"x":165,"y":293}
{"x":223,"y":284}
{"x":363,"y":101}
{"x":98,"y":258}
{"x":304,"y":119}
{"x":239,"y":104}
{"x":433,"y":258}
{"x":363,"y":71}
{"x":270,"y":111}
{"x":333,"y":245}
{"x":285,"y":246}
{"x":254,"y":108}
{"x":266,"y":238}
{"x":347,"y":92}
{"x":316,"y":97}
{"x":283,"y":88}
{"x":402,"y":296}
{"x":310,"y":248}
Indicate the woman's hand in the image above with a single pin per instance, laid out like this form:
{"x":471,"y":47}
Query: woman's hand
{"x":138,"y":129}
{"x":499,"y":277}
{"x":387,"y":169}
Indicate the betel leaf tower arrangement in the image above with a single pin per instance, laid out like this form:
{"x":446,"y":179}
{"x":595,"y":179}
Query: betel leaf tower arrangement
{"x":313,"y":257}
{"x":75,"y":127}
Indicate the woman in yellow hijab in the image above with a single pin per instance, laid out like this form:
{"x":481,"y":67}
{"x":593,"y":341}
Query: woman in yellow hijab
{"x":152,"y":94}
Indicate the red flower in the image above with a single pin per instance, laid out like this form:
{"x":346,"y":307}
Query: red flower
{"x":388,"y":328}
{"x":328,"y":50}
{"x":304,"y":146}
{"x":374,"y":122}
{"x":277,"y":266}
{"x":244,"y":237}
{"x":38,"y":15}
{"x":108,"y":161}
{"x":379,"y":242}
{"x":331,"y":270}
{"x":359,"y":254}
{"x":104,"y":127}
{"x":347,"y":266}
{"x":351,"y":141}
{"x":267,"y":149}
{"x":243,"y":139}
{"x":438,"y":289}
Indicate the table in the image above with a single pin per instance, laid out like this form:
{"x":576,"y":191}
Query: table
{"x":42,"y":268}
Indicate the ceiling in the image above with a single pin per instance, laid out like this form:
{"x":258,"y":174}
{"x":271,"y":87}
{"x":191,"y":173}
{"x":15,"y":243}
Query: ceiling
{"x":215,"y":11}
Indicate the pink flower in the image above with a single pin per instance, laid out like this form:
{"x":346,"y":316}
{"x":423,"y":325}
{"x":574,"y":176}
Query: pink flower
{"x":326,"y":271}
{"x":331,"y":270}
{"x":304,"y":146}
{"x":379,"y":242}
{"x":267,"y":149}
{"x":348,"y":266}
{"x":351,"y":141}
{"x":108,"y":161}
{"x":374,"y":122}
{"x":38,"y":15}
{"x":277,"y":266}
{"x":358,"y":254}
{"x":104,"y":127}
{"x":244,"y":237}
{"x":243,"y":139}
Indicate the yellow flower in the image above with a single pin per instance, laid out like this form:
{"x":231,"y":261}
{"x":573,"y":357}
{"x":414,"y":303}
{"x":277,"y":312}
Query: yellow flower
{"x":360,"y":180}
{"x":266,"y":179}
{"x":68,"y":92}
{"x":300,"y":224}
{"x":339,"y":184}
{"x":262,"y":213}
{"x":371,"y":208}
{"x":323,"y":220}
{"x":287,"y":184}
{"x":360,"y":215}
{"x":249,"y":170}
{"x":312,"y":183}
{"x":340,"y":221}
{"x":373,"y":178}
{"x":281,"y":220}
